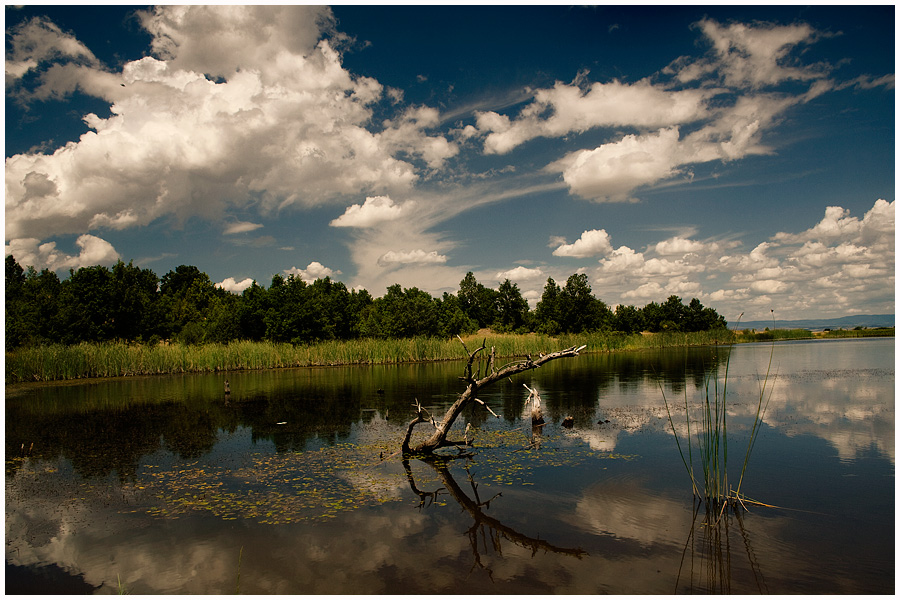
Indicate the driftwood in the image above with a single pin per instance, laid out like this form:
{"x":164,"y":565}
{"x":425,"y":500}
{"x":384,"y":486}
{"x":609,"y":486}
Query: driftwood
{"x":474,"y":382}
{"x":537,"y":416}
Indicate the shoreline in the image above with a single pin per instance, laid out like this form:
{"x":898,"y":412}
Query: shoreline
{"x":81,"y":362}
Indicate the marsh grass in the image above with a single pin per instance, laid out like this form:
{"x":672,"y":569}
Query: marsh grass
{"x":709,"y":442}
{"x":117,"y":359}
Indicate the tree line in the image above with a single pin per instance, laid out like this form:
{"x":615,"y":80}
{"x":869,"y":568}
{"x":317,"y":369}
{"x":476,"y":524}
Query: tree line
{"x":125,"y":302}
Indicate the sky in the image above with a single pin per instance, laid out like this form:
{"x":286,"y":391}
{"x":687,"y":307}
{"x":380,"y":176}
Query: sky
{"x":743,"y":156}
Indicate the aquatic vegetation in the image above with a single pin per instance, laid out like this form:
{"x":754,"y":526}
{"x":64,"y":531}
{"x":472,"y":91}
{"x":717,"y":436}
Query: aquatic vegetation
{"x":711,"y":484}
{"x":309,"y":486}
{"x":56,"y":362}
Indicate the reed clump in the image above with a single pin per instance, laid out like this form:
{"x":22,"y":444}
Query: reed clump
{"x":709,"y":442}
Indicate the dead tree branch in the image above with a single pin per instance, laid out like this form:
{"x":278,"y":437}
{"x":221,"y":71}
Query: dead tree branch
{"x":438,"y":438}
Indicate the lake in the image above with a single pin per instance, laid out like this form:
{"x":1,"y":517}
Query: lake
{"x":292,"y":482}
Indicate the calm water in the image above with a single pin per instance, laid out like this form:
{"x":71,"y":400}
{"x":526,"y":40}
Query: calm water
{"x":292,"y":485}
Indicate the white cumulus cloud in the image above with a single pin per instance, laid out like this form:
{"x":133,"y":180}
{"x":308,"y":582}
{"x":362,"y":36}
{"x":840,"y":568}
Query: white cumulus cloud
{"x":520,"y":273}
{"x":564,"y":109}
{"x":375,"y":210}
{"x":841,"y":265}
{"x":314,"y":270}
{"x":611,"y":172}
{"x":591,"y":243}
{"x":237,"y":107}
{"x":30,"y":252}
{"x":229,"y":284}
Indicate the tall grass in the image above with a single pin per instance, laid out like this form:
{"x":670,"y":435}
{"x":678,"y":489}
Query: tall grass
{"x":117,"y":359}
{"x":709,"y":481}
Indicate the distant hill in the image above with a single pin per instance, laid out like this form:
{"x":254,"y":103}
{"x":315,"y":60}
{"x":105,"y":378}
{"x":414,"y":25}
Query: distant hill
{"x":838,"y":323}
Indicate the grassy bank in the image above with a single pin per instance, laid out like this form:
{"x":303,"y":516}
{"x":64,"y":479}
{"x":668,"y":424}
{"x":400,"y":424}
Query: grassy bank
{"x":58,"y":362}
{"x":805,"y":334}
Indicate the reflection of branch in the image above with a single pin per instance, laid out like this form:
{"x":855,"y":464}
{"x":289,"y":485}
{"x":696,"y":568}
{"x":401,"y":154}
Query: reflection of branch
{"x":430,"y":496}
{"x":490,"y":527}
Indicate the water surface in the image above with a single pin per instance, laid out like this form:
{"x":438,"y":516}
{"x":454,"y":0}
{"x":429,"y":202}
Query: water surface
{"x":292,"y":484}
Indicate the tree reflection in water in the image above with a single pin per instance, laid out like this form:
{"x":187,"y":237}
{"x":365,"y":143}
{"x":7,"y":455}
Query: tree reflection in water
{"x":486,"y":532}
{"x":710,"y":566}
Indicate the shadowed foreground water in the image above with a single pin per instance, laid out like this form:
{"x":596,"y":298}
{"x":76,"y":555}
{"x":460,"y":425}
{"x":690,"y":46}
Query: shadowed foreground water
{"x":292,"y":484}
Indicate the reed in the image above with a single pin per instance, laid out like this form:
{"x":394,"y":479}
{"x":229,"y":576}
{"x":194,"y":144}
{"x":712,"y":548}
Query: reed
{"x":709,"y":481}
{"x":116,"y":359}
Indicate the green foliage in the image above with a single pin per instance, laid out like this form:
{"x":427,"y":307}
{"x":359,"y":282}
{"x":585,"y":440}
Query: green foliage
{"x":512,"y":308}
{"x":130,"y":304}
{"x":546,"y":313}
{"x":629,"y":319}
{"x":402,"y":313}
{"x":860,"y":332}
{"x":572,"y":309}
{"x":478,"y":302}
{"x":451,"y":318}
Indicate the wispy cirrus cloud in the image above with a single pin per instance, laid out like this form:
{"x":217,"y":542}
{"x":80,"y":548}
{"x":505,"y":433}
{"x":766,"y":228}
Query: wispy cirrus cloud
{"x":241,"y":227}
{"x":695,"y":110}
{"x":411,"y":257}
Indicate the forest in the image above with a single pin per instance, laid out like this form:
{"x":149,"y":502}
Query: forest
{"x":132,"y":304}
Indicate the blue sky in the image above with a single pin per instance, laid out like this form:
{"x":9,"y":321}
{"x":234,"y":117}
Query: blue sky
{"x":743,"y":156}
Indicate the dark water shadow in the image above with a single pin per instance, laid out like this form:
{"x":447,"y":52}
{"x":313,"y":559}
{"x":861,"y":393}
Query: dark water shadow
{"x":44,"y":580}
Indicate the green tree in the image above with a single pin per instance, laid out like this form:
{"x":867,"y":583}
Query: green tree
{"x":699,"y":318}
{"x":292,"y":315}
{"x":546,"y":314}
{"x":17,"y":324}
{"x":652,"y":314}
{"x":41,"y":298}
{"x":673,"y":314}
{"x":512,"y":308}
{"x":477,"y":301}
{"x":134,"y":310}
{"x":251,"y":313}
{"x":223,"y":318}
{"x":402,"y":313}
{"x":578,"y":308}
{"x":185,"y":297}
{"x":628,"y":319}
{"x":451,"y":318}
{"x":87,"y":303}
{"x":333,"y":303}
{"x":361,"y":302}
